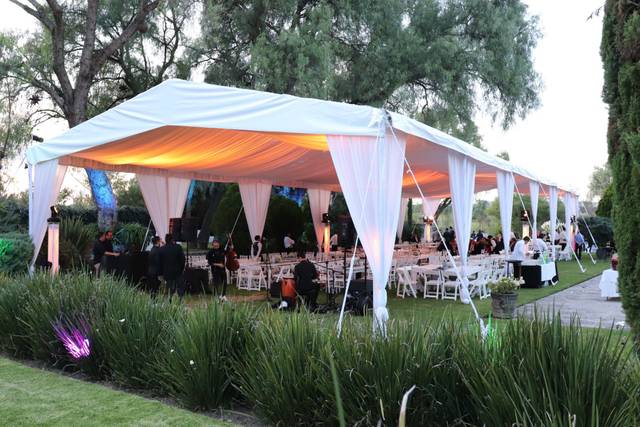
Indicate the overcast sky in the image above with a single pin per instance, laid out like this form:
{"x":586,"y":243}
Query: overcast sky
{"x":563,"y":140}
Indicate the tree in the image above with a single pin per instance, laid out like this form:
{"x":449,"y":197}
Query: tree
{"x":599,"y":181}
{"x":605,"y":204}
{"x":504,"y":155}
{"x":620,"y":51}
{"x":428,"y":58}
{"x":86,"y":57}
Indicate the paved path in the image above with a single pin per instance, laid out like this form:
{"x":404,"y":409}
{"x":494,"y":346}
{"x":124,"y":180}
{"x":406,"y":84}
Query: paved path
{"x":582,"y":300}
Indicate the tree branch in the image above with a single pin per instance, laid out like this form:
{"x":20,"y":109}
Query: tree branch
{"x":102,"y":55}
{"x":36,"y":12}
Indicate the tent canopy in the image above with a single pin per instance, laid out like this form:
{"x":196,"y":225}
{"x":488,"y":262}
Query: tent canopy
{"x":215,"y":133}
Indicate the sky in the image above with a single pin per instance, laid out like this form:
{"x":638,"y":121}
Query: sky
{"x":563,"y":140}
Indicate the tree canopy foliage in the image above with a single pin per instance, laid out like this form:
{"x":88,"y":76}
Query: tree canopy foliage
{"x":599,"y":181}
{"x":434,"y":60}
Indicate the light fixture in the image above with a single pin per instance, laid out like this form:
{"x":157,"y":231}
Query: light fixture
{"x":53,"y":240}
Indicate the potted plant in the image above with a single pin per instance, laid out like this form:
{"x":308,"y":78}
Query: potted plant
{"x":504,"y":297}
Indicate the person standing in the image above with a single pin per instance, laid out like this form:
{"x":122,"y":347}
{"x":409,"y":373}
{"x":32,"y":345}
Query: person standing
{"x":154,"y":269}
{"x":305,"y":274}
{"x":288,"y":243}
{"x":256,"y":248}
{"x":173,"y":261}
{"x":216,"y":258}
{"x":101,"y":247}
{"x":579,"y":239}
{"x":334,"y":242}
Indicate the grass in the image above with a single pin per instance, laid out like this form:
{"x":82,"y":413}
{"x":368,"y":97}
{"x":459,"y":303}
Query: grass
{"x":30,"y":396}
{"x":428,"y":309}
{"x":422,"y":310}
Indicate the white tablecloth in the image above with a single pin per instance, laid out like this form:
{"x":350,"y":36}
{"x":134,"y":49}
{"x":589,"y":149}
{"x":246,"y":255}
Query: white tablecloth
{"x":609,"y":284}
{"x":547,"y":271}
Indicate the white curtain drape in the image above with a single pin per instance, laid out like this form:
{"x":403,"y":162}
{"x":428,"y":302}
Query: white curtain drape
{"x":370,"y":173}
{"x":534,"y":190}
{"x":429,"y":208}
{"x":462,"y":173}
{"x":568,"y":212}
{"x":404,"y":201}
{"x":45,"y":181}
{"x":319,"y":201}
{"x":255,"y":199}
{"x":553,"y":216}
{"x":164,"y":197}
{"x":505,"y":199}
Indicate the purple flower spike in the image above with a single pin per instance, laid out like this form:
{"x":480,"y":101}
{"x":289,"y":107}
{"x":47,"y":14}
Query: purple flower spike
{"x":74,"y":339}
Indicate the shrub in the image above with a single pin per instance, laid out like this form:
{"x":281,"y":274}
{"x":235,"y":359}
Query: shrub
{"x":16,"y":251}
{"x":76,"y":240}
{"x":196,"y":362}
{"x":131,"y":235}
{"x":13,"y":296}
{"x":543,"y":373}
{"x":129,"y":336}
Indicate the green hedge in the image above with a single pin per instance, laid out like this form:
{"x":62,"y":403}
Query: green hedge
{"x":529,"y":373}
{"x":16,"y":251}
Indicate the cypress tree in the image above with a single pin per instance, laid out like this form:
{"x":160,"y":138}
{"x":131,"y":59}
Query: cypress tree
{"x":620,"y":51}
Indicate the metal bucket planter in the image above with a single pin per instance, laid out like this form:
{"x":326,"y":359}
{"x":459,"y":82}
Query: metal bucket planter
{"x":504,"y":305}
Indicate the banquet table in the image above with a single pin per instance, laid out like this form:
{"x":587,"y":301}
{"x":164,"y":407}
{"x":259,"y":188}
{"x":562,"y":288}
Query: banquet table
{"x":537,"y":274}
{"x":609,"y":284}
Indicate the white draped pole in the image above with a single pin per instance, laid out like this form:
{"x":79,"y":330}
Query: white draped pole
{"x":255,"y":199}
{"x":534,"y":191}
{"x":429,"y":209}
{"x":319,"y":201}
{"x":370,"y":173}
{"x":569,"y":211}
{"x":462,"y":173}
{"x":505,"y":199}
{"x":45,"y":181}
{"x":164,"y":197}
{"x":553,"y":216}
{"x":402,"y":217}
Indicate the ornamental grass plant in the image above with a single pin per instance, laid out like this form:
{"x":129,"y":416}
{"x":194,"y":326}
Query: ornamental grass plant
{"x":288,"y":366}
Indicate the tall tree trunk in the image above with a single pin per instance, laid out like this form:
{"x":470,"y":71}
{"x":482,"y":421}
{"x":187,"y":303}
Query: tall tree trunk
{"x":101,"y":190}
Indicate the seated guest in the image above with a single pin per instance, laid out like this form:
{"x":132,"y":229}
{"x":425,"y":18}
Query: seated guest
{"x":334,"y":242}
{"x":289,"y":243}
{"x":499,"y":247}
{"x":305,"y":274}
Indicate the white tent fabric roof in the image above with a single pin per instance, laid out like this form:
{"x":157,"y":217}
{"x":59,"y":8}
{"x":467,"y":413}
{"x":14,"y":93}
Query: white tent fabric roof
{"x":208,"y":132}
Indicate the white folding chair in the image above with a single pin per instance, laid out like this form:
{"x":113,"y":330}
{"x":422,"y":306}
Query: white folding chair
{"x":432,"y":284}
{"x":406,"y":283}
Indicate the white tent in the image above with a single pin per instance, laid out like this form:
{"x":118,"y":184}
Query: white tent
{"x":181,"y":129}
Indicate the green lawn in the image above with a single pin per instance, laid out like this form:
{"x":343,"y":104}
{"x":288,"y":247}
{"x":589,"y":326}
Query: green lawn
{"x":30,"y":396}
{"x":429,"y":309}
{"x":421,"y":310}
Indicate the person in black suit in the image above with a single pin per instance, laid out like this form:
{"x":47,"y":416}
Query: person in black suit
{"x":172,"y":259}
{"x":155,"y":266}
{"x":216,"y":258}
{"x":305,"y":274}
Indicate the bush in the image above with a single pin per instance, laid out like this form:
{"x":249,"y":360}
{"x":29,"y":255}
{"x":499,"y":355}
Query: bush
{"x":196,"y":362}
{"x":602,"y":229}
{"x":131,"y":235}
{"x":76,"y":241}
{"x":530,"y":372}
{"x":16,"y":251}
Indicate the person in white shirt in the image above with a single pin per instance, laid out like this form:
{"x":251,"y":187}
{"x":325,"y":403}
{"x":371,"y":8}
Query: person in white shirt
{"x":562,"y":238}
{"x":334,"y":242}
{"x":256,"y":248}
{"x":288,"y":243}
{"x":540,"y":245}
{"x":520,"y":249}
